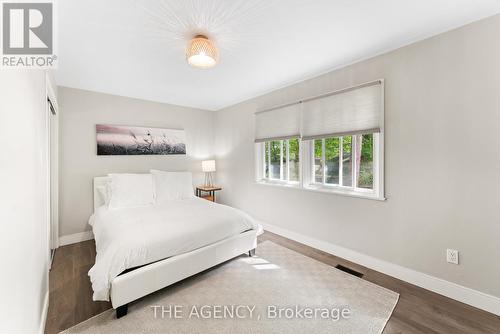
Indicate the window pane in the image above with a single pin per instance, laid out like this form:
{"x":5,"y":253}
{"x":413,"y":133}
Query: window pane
{"x":332,"y":150}
{"x":274,"y":168}
{"x":266,"y":160}
{"x":318,"y":164}
{"x":293,"y":153}
{"x":347,"y":161}
{"x":365,"y":161}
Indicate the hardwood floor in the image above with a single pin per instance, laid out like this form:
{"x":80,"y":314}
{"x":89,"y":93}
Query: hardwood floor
{"x":418,"y":310}
{"x":70,"y":295}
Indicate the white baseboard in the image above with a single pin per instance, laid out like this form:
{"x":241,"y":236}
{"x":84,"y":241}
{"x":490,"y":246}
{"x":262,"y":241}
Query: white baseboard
{"x":452,"y":290}
{"x":45,"y":310}
{"x":74,"y":238}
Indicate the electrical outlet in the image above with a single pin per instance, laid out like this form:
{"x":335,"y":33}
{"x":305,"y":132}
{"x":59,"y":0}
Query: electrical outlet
{"x":452,"y":256}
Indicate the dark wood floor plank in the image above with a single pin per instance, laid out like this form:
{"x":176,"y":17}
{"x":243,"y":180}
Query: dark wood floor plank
{"x":418,"y":311}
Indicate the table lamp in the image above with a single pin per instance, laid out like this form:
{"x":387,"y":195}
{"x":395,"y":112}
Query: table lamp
{"x":208,"y":166}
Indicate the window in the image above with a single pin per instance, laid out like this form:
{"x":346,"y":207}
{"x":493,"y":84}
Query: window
{"x":275,"y":152}
{"x":365,"y":165}
{"x":329,"y":143}
{"x":294,"y":159}
{"x":318,"y":161}
{"x":281,"y":160}
{"x":334,"y":160}
{"x":346,"y":164}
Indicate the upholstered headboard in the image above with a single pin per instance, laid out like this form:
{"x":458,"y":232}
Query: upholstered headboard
{"x":99,"y":181}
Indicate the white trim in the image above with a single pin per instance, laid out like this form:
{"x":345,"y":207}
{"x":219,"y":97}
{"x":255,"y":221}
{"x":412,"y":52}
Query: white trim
{"x":45,"y":311}
{"x":287,"y":159}
{"x":451,"y":290}
{"x":354,"y":154}
{"x":323,"y":159}
{"x":341,"y":162}
{"x":53,"y":156}
{"x":51,"y":85}
{"x":281,"y":160}
{"x":300,"y":164}
{"x":307,"y":174}
{"x":74,"y":238}
{"x":379,"y":149}
{"x":331,"y":190}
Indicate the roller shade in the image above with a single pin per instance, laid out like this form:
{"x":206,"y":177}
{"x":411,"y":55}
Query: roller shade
{"x":350,"y":111}
{"x":278,"y":123}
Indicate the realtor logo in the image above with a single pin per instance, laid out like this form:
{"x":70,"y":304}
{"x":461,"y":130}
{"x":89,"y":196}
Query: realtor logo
{"x":28,"y":34}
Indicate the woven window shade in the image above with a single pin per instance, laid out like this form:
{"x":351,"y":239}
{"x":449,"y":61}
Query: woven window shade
{"x":351,"y":111}
{"x":279,"y":123}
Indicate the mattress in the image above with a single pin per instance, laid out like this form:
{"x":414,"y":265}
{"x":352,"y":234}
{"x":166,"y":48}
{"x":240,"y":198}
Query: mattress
{"x":131,"y":237}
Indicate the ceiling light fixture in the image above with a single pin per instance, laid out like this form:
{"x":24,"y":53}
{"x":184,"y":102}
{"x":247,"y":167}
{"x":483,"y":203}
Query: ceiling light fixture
{"x":201,"y":52}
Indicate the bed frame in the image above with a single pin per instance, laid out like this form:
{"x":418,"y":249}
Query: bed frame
{"x":144,"y":280}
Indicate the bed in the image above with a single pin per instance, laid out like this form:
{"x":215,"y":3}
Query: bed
{"x":144,"y":249}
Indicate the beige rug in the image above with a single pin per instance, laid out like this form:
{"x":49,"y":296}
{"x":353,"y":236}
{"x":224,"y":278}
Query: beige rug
{"x":278,"y":291}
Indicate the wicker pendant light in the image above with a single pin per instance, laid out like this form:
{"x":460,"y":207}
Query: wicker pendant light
{"x":201,"y":52}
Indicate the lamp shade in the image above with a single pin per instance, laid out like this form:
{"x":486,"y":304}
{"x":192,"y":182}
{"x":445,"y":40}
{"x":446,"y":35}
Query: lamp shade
{"x":201,"y":52}
{"x":208,"y":166}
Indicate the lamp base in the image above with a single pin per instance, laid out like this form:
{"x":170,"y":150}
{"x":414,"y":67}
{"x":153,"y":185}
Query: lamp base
{"x":208,"y":180}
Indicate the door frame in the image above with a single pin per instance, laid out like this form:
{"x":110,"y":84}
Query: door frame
{"x":53,"y":163}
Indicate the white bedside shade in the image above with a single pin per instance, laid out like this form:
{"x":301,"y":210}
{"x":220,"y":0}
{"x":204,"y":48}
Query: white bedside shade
{"x":208,"y":166}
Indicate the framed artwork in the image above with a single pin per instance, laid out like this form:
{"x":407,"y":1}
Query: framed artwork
{"x":134,"y":140}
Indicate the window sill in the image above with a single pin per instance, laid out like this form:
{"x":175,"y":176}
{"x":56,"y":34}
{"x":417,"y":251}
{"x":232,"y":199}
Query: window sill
{"x":294,"y":185}
{"x":324,"y":190}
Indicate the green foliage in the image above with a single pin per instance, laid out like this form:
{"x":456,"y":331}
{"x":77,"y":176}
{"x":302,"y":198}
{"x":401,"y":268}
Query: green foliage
{"x":275,"y":147}
{"x":332,"y":152}
{"x":365,"y":178}
{"x":317,"y":148}
{"x":346,"y":143}
{"x":367,"y":147}
{"x":293,"y":149}
{"x":275,"y":151}
{"x":332,"y":149}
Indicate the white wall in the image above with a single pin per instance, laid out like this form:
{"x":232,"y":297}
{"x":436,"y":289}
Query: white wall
{"x":81,"y":110}
{"x":442,"y":160}
{"x":23,"y":201}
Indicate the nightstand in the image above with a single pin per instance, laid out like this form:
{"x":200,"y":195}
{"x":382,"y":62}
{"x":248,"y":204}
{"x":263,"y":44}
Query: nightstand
{"x":207,"y":192}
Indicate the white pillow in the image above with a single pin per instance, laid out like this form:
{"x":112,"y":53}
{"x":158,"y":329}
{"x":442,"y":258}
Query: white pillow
{"x":104,"y":193}
{"x":130,"y":190}
{"x":170,"y":186}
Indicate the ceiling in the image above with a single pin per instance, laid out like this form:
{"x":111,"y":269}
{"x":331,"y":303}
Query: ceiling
{"x":135,"y":48}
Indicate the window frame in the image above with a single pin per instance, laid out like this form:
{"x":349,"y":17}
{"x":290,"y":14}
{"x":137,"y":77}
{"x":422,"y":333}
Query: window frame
{"x":311,"y":182}
{"x":284,"y":152}
{"x":306,"y":166}
{"x":306,"y":169}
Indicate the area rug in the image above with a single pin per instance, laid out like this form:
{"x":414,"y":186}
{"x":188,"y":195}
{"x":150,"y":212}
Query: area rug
{"x":277,"y":291}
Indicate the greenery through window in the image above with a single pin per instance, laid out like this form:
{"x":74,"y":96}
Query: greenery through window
{"x":275,"y":154}
{"x":365,"y":165}
{"x":335,"y":159}
{"x":332,"y":153}
{"x":282,"y":160}
{"x":345,"y":163}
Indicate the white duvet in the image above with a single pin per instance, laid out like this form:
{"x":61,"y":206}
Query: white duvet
{"x":131,"y":237}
